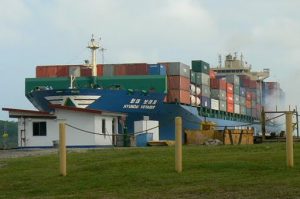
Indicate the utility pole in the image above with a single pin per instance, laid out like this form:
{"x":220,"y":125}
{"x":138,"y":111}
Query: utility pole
{"x":297,"y":120}
{"x":263,"y":123}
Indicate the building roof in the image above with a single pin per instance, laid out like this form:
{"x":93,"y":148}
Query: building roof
{"x":101,"y":112}
{"x":21,"y":113}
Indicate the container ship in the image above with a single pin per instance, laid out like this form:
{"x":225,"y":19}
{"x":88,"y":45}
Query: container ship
{"x":230,"y":95}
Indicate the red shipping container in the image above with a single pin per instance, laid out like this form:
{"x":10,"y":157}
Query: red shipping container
{"x":62,"y":71}
{"x":131,"y":69}
{"x":248,"y":95}
{"x":218,"y":84}
{"x":178,"y":83}
{"x":230,"y":98}
{"x":230,"y":107}
{"x":179,"y":96}
{"x":252,"y":84}
{"x":253,"y":96}
{"x":244,"y":80}
{"x":212,"y":74}
{"x":99,"y":70}
{"x":248,"y":103}
{"x":85,"y":72}
{"x":46,"y":71}
{"x":229,"y":88}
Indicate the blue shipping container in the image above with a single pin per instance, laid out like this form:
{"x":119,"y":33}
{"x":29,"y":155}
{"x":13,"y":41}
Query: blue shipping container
{"x":205,"y":102}
{"x":157,"y":69}
{"x":143,"y":139}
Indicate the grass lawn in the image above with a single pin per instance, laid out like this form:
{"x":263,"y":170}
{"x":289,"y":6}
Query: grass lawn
{"x":253,"y":171}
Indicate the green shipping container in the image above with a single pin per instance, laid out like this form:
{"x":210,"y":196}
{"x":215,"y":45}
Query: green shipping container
{"x":200,"y":66}
{"x":237,"y":90}
{"x":193,"y":77}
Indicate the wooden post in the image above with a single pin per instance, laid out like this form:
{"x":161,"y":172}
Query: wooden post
{"x":178,"y":144}
{"x":289,"y":139}
{"x":263,"y":123}
{"x":62,"y":149}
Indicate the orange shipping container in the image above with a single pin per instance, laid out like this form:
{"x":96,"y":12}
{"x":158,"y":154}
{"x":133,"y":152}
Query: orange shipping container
{"x":248,"y":95}
{"x":179,"y":96}
{"x":99,"y":70}
{"x":62,"y":71}
{"x":178,"y":83}
{"x":248,"y":103}
{"x":212,"y":74}
{"x":46,"y":71}
{"x":230,"y":98}
{"x":131,"y":69}
{"x":230,"y":107}
{"x":85,"y":72}
{"x":229,"y":88}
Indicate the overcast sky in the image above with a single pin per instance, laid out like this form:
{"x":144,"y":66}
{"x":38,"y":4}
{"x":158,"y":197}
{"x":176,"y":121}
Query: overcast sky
{"x":38,"y":32}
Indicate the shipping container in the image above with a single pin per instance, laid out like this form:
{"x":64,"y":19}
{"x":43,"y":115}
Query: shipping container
{"x":237,"y":108}
{"x":218,"y":84}
{"x":242,"y":101}
{"x":205,"y":90}
{"x":99,"y":70}
{"x":253,"y":96}
{"x":244,"y":81}
{"x":179,"y":96}
{"x":233,"y":79}
{"x":230,"y":107}
{"x":253,"y":84}
{"x":215,"y":104}
{"x":108,"y":70}
{"x":223,"y":105}
{"x":218,"y":94}
{"x":195,"y":101}
{"x":131,"y":69}
{"x":200,"y":66}
{"x":74,"y":71}
{"x":253,"y":103}
{"x":205,"y":102}
{"x":85,"y":72}
{"x":248,"y":103}
{"x":229,"y":88}
{"x":236,"y":90}
{"x":193,"y":77}
{"x":195,"y":90}
{"x":248,"y":111}
{"x":229,"y":98}
{"x":242,"y":110}
{"x":242,"y":91}
{"x":178,"y":83}
{"x":157,"y":69}
{"x":212,"y":74}
{"x":177,"y":68}
{"x":248,"y":95}
{"x":254,"y":112}
{"x":202,"y":78}
{"x":236,"y":99}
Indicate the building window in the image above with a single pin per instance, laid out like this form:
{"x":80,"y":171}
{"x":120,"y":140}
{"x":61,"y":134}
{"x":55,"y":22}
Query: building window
{"x":103,"y":126}
{"x":39,"y":128}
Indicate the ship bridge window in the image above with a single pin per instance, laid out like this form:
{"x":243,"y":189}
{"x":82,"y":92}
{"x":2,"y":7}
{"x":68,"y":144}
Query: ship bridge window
{"x":39,"y":128}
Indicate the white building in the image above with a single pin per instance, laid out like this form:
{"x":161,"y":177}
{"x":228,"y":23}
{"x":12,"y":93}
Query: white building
{"x":84,"y":127}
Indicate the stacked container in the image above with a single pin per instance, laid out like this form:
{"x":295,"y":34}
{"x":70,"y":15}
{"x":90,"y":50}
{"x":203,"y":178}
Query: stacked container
{"x":178,"y":82}
{"x":218,"y":92}
{"x":234,"y":80}
{"x":201,"y":79}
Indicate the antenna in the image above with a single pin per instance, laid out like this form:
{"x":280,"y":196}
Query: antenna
{"x":220,"y":61}
{"x":102,"y":53}
{"x":93,"y":45}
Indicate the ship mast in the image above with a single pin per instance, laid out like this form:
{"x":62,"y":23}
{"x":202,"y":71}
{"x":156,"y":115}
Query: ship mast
{"x":93,"y":45}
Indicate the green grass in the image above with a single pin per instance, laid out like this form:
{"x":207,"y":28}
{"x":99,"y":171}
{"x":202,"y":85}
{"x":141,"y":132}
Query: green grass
{"x":254,"y":171}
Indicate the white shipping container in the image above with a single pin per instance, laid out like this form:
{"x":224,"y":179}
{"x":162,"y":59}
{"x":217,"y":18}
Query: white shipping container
{"x":215,"y":104}
{"x":236,"y":108}
{"x":192,"y":89}
{"x":195,"y":100}
{"x":198,"y":90}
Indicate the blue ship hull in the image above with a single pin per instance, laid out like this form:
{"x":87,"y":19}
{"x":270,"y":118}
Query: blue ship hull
{"x":135,"y":104}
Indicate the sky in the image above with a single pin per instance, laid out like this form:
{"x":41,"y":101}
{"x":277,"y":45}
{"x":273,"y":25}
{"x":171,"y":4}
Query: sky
{"x":39,"y":32}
